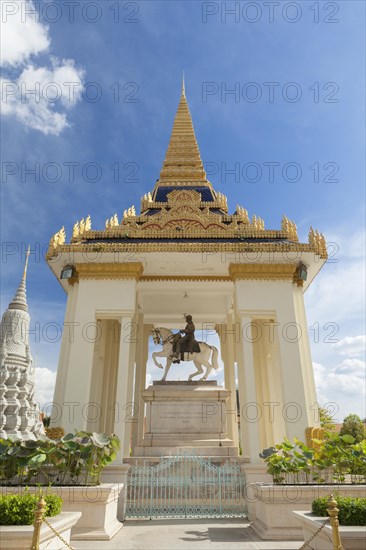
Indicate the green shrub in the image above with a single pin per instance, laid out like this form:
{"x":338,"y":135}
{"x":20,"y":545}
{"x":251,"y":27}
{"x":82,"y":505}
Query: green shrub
{"x":352,"y":511}
{"x":19,"y":509}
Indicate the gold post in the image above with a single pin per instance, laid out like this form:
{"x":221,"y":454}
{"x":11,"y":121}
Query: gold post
{"x":333,"y":516}
{"x":38,"y":518}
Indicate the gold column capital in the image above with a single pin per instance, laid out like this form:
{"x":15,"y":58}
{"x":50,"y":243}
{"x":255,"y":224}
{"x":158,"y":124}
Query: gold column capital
{"x":269,"y":272}
{"x":98,"y":271}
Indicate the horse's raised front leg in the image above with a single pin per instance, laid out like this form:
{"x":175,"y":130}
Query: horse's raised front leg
{"x":198,"y":366}
{"x":157,"y":354}
{"x":167,"y":367}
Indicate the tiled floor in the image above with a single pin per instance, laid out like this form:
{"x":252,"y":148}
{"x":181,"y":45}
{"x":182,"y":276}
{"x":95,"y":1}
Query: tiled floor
{"x":223,"y":534}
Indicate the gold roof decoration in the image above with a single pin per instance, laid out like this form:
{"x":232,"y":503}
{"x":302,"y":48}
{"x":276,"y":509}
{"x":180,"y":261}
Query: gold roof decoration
{"x":185,"y":216}
{"x":242,"y":213}
{"x":81,"y":227}
{"x":184,"y":213}
{"x":57,"y":240}
{"x":88,"y":223}
{"x":112,"y":222}
{"x":290,"y":228}
{"x":317,"y":241}
{"x":257,"y":223}
{"x":75,"y":231}
{"x":129,"y":213}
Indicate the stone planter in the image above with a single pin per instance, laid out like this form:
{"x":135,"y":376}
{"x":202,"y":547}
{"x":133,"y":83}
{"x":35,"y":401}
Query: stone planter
{"x":19,"y":537}
{"x":352,"y":538}
{"x":98,"y":505}
{"x":117,"y":473}
{"x":272,"y":506}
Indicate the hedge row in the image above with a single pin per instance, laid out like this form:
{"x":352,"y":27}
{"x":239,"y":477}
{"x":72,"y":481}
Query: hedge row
{"x":352,"y":511}
{"x":19,"y":509}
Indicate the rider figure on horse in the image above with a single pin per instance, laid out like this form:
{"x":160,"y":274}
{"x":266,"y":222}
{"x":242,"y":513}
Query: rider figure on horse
{"x":185,"y":342}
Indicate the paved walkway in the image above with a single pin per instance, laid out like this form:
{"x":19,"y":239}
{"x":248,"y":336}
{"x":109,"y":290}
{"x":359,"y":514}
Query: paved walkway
{"x":223,"y":534}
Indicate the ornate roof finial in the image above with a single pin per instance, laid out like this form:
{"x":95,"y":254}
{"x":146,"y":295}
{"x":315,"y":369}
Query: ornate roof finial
{"x":20,"y":299}
{"x":183,"y":86}
{"x":183,"y":161}
{"x":88,"y":223}
{"x":75,"y":231}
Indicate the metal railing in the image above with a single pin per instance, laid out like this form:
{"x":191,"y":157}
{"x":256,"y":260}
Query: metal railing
{"x":185,"y":486}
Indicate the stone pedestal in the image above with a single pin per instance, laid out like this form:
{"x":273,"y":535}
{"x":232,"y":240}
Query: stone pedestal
{"x":186,"y":417}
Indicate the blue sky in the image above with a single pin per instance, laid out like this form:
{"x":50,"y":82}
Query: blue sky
{"x":317,"y":139}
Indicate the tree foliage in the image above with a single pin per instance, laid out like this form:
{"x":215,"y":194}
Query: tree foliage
{"x":353,"y":425}
{"x":326,"y":420}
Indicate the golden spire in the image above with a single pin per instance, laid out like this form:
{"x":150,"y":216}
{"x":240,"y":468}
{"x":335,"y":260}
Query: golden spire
{"x":183,"y":162}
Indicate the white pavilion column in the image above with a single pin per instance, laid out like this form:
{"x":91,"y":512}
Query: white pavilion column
{"x":99,"y":376}
{"x":249,"y":427}
{"x":124,"y":405}
{"x":295,"y":407}
{"x":274,"y":409}
{"x":137,"y":412}
{"x":224,"y":359}
{"x":261,"y":380}
{"x":73,"y":393}
{"x":63,"y":363}
{"x":228,"y":333}
{"x":140,"y":382}
{"x":313,"y":414}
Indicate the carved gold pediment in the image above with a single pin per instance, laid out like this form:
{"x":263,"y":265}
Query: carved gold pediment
{"x":177,"y":197}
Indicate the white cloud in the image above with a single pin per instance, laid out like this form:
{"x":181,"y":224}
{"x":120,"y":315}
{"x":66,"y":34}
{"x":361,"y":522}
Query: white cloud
{"x":351,"y":345}
{"x":61,"y":85}
{"x":335,"y":309}
{"x":45,"y":380}
{"x":338,"y":293}
{"x":38,"y":95}
{"x":21,"y":34}
{"x":356,"y":367}
{"x":341,"y":389}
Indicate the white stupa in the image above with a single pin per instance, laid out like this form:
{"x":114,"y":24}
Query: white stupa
{"x":19,"y":414}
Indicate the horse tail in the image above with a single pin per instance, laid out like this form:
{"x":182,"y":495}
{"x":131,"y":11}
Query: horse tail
{"x":215,"y":355}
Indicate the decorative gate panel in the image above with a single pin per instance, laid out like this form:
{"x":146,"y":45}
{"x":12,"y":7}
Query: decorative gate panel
{"x":185,"y":486}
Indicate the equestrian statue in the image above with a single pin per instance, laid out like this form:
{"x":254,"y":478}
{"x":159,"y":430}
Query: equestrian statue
{"x":178,"y":348}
